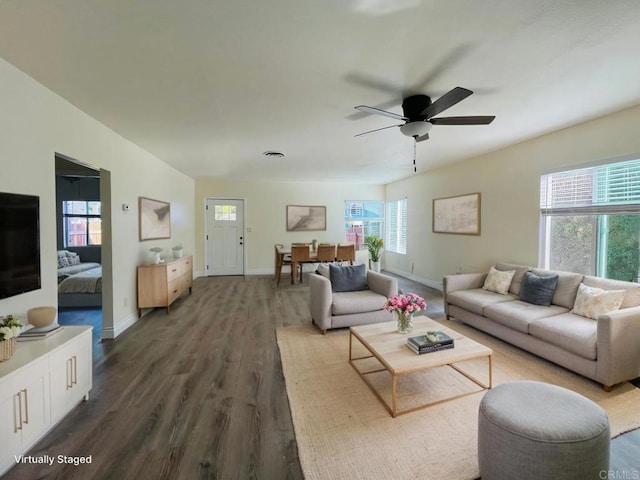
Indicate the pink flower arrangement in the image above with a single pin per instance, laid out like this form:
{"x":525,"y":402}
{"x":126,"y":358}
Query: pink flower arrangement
{"x":405,"y":304}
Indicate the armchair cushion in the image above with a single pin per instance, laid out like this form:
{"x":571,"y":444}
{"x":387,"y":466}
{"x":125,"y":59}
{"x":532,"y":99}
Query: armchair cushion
{"x":357,"y":302}
{"x":350,"y":278}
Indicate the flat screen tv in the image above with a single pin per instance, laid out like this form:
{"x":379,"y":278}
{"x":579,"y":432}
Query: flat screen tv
{"x":19,"y":244}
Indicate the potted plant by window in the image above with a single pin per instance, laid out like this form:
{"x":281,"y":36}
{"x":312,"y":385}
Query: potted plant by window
{"x":374,"y":245}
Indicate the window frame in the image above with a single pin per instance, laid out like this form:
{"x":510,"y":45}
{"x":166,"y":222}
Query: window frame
{"x":87,"y":217}
{"x":398,"y":246}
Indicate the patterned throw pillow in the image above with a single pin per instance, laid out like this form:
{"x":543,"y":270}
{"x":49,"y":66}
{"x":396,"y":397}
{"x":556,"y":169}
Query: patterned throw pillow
{"x":498,"y":281}
{"x":591,"y":302}
{"x":73,"y":259}
{"x":63,"y":261}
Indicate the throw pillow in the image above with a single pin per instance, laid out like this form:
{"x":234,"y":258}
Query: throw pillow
{"x":349,"y":278}
{"x":537,"y":289}
{"x":498,"y":281}
{"x":73,"y":259}
{"x":591,"y":302}
{"x":323,"y":269}
{"x":63,"y":261}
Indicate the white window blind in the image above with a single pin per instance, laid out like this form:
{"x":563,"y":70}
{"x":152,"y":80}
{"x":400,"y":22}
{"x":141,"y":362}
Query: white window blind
{"x":611,"y":189}
{"x":396,"y":240}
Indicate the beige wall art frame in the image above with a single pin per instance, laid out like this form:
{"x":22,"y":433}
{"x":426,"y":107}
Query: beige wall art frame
{"x":154,"y":219}
{"x":305,"y":218}
{"x":458,"y":215}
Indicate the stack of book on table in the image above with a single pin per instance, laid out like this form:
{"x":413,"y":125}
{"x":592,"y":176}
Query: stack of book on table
{"x":431,"y":342}
{"x":39,"y":333}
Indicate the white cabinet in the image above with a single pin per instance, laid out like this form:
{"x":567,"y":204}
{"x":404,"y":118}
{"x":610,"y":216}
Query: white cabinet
{"x":71,"y":377}
{"x":33,"y":388}
{"x":23,"y":409}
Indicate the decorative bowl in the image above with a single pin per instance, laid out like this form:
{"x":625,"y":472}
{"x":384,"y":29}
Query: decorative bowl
{"x":41,"y":316}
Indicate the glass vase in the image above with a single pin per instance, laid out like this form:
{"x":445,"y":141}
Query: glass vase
{"x":404,"y":322}
{"x":7,"y":348}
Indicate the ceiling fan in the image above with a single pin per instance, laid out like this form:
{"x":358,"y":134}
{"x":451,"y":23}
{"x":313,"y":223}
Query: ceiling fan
{"x":419,"y":113}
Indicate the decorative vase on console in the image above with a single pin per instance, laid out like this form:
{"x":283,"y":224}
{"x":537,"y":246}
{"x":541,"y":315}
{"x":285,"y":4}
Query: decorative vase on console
{"x":154,"y":257}
{"x":177,"y":251}
{"x":10,"y":328}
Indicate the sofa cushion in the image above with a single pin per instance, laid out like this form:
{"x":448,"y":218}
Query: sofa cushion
{"x":476,"y":299}
{"x":632,"y":290}
{"x":349,"y":278}
{"x":568,"y":331}
{"x":518,"y":314}
{"x":592,"y":302}
{"x":345,"y":303}
{"x":518,"y":278}
{"x":323,"y":269}
{"x":567,"y":289}
{"x":498,"y":281}
{"x":538,"y":290}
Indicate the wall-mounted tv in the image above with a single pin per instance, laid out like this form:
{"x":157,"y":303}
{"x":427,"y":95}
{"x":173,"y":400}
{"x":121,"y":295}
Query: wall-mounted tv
{"x":19,"y":244}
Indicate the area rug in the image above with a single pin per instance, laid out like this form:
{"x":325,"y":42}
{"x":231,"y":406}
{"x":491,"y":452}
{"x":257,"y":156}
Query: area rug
{"x":344,"y":432}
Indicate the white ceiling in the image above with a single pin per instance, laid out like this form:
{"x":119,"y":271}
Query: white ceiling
{"x":208,"y":85}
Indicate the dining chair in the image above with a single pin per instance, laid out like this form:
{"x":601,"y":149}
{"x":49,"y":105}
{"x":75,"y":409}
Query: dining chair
{"x":281,"y":260}
{"x":346,"y":253}
{"x":299,"y":256}
{"x":326,"y":253}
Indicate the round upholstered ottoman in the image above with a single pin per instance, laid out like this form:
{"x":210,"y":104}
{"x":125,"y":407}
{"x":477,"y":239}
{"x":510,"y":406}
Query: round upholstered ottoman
{"x":533,"y":430}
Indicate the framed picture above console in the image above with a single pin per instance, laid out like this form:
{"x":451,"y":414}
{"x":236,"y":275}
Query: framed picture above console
{"x":154,"y":219}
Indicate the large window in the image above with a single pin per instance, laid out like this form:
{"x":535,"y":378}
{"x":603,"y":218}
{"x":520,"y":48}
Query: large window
{"x":81,"y":221}
{"x":590,"y":220}
{"x":396,"y":239}
{"x":363,"y":219}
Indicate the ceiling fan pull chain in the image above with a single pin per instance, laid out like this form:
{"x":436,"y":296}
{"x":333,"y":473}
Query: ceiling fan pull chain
{"x":415,"y":170}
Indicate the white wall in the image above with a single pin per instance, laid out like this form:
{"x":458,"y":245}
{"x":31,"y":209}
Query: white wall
{"x":35,"y":124}
{"x":509,"y":183}
{"x":265,"y":205}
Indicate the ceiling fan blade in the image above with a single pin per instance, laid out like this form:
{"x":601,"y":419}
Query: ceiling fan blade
{"x":373,"y":83}
{"x":478,"y":120}
{"x":444,"y":64}
{"x":448,"y":100}
{"x":422,"y":138}
{"x":377,"y":111}
{"x":376,"y":130}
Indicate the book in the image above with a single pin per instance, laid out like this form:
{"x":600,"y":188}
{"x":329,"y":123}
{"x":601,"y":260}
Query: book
{"x":431,"y":340}
{"x":29,"y":335}
{"x":421,"y":351}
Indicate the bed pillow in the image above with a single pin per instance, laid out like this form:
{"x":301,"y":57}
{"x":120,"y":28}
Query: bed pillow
{"x":537,"y":289}
{"x":591,"y":302}
{"x":349,"y":278}
{"x":498,"y":281}
{"x":73,"y":259}
{"x":63,"y":261}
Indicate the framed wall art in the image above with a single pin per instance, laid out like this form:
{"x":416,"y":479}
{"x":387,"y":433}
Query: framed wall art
{"x":459,"y":215}
{"x":154,"y":219}
{"x":304,"y":218}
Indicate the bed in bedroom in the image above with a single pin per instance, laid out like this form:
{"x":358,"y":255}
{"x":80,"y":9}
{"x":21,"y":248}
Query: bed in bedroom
{"x":79,"y":283}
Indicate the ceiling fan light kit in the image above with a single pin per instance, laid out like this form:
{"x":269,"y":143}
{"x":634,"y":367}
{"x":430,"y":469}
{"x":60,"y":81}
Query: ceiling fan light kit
{"x":415,"y":129}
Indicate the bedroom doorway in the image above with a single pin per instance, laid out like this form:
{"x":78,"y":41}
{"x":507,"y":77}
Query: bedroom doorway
{"x":79,"y":243}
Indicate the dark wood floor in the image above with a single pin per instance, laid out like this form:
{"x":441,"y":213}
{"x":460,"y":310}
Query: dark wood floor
{"x":200,"y":393}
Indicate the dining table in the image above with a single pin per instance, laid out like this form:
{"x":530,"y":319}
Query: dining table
{"x":283,"y":250}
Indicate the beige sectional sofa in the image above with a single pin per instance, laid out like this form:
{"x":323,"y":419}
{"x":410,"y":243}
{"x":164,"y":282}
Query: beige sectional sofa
{"x":606,"y":349}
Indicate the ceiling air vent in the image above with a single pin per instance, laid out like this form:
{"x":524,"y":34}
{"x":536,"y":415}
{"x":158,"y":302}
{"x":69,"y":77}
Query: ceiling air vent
{"x":271,"y":153}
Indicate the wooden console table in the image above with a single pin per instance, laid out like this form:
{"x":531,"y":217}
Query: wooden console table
{"x":160,"y":285}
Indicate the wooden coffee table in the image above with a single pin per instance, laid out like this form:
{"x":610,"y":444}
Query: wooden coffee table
{"x":389,"y":348}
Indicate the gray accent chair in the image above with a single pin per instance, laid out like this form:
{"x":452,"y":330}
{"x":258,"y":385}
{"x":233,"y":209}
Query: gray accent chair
{"x":344,"y":309}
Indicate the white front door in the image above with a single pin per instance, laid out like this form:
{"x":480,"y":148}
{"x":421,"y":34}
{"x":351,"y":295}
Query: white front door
{"x":225,"y":237}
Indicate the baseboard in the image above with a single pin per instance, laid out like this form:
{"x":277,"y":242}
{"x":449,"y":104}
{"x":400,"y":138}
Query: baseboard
{"x":424,"y":281}
{"x":113,"y":332}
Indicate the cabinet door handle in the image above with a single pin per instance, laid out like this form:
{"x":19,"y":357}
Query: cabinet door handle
{"x":174,"y":270}
{"x":26,"y":406}
{"x":69,"y":373}
{"x":17,"y":422}
{"x":74,"y":376}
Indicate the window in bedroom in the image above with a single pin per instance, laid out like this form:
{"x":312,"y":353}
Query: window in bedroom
{"x":396,"y":238}
{"x":590,"y":220}
{"x":363,"y":219}
{"x":81,"y":222}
